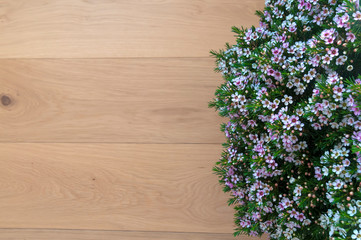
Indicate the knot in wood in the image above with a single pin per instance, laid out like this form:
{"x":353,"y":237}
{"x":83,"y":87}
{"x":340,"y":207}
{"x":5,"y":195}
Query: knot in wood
{"x":5,"y":100}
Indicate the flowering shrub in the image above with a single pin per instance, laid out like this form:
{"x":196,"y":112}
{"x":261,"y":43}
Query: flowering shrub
{"x":292,"y":161}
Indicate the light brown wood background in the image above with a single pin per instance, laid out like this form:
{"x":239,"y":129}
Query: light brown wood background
{"x":104,"y":127}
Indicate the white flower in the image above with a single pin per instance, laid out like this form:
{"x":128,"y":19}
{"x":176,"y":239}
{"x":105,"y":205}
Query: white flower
{"x":306,"y":222}
{"x":332,"y":230}
{"x":357,"y":15}
{"x":324,"y":221}
{"x":336,"y":217}
{"x":344,"y":152}
{"x":297,"y":191}
{"x":287,"y":100}
{"x":325,"y":171}
{"x":299,"y":112}
{"x":342,"y":231}
{"x":329,"y":197}
{"x":337,"y":169}
{"x":288,"y":235}
{"x":352,"y":211}
{"x":341,"y":206}
{"x":356,"y":234}
{"x":330,"y":213}
{"x":338,"y":184}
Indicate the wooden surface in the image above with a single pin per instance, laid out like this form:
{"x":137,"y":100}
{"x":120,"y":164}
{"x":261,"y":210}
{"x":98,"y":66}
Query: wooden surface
{"x":104,"y":127}
{"x":147,"y":187}
{"x":40,"y":234}
{"x":119,"y":28}
{"x":161,"y":100}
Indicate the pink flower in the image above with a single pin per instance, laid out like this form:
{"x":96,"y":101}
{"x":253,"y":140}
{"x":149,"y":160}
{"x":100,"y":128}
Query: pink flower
{"x":253,"y":234}
{"x":357,"y":125}
{"x":277,"y":75}
{"x":339,"y":21}
{"x":318,"y":176}
{"x":293,"y":213}
{"x":315,"y":61}
{"x":350,"y":37}
{"x":333,"y":78}
{"x":301,"y":4}
{"x":272,"y":165}
{"x":230,"y":185}
{"x":316,"y":91}
{"x":323,"y":119}
{"x":316,"y":126}
{"x":256,"y":216}
{"x":294,"y":120}
{"x":328,"y":35}
{"x":301,"y":217}
{"x":357,"y":136}
{"x":292,"y":27}
{"x":277,"y":51}
{"x":252,"y":123}
{"x":333,"y":52}
{"x":317,"y":19}
{"x":338,"y":90}
{"x":274,"y":106}
{"x":356,"y":111}
{"x":341,"y":60}
{"x":326,"y":59}
{"x":245,"y":224}
{"x":270,"y":72}
{"x":308,"y":6}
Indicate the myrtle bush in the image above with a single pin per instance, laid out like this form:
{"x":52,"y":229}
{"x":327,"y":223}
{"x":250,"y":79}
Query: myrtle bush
{"x":292,"y":160}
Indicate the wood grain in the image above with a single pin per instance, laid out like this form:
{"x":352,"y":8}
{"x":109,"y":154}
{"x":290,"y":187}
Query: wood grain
{"x":144,"y":187}
{"x":104,"y":127}
{"x":120,"y":28}
{"x":45,"y":234}
{"x":109,"y":100}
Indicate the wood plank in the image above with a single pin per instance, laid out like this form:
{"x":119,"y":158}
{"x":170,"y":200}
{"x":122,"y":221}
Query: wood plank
{"x":46,"y":234}
{"x":109,"y":100}
{"x":143,"y":187}
{"x":119,"y":28}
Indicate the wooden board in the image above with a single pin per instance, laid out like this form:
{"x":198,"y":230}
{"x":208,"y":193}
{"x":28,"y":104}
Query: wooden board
{"x":144,"y":187}
{"x":104,"y":127}
{"x":53,"y":234}
{"x":109,"y":100}
{"x":120,"y":28}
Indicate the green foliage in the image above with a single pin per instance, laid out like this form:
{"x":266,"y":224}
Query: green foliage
{"x":292,"y":93}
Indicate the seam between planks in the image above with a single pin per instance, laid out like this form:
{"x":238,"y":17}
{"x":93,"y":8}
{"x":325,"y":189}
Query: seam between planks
{"x":118,"y":143}
{"x":103,"y":58}
{"x":109,"y":230}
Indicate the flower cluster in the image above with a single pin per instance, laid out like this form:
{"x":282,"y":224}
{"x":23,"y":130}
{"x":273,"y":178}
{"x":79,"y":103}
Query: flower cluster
{"x":292,"y":160}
